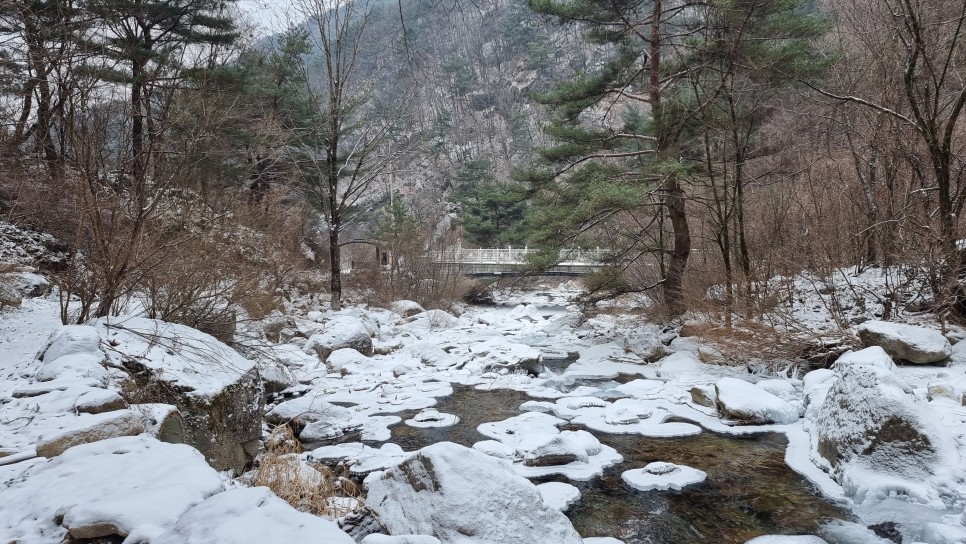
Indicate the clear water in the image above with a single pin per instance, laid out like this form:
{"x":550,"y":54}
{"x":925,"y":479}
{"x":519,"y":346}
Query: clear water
{"x":750,"y":491}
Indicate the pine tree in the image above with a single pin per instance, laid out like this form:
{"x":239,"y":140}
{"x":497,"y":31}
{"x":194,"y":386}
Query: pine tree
{"x":145,"y":43}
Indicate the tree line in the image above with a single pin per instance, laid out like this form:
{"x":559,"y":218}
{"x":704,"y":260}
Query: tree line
{"x":703,"y":143}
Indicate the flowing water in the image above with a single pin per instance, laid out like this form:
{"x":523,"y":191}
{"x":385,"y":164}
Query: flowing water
{"x":749,"y":491}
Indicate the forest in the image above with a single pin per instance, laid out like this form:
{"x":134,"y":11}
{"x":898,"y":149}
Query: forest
{"x":179,"y":158}
{"x":482,"y":271}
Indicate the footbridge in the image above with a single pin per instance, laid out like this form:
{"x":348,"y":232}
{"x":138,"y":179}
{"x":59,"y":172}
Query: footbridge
{"x":499,"y":262}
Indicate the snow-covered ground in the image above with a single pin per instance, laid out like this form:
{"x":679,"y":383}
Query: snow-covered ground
{"x":404,"y":365}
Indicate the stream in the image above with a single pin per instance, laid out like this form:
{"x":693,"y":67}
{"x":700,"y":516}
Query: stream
{"x":749,"y":491}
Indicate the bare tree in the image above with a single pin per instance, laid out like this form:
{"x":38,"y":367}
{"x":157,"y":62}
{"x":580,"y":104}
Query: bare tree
{"x":341,"y":147}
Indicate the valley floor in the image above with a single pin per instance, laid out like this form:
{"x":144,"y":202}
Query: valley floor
{"x":636,"y":433}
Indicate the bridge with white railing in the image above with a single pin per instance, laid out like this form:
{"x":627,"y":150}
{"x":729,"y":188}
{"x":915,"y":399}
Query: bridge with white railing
{"x":513,"y":261}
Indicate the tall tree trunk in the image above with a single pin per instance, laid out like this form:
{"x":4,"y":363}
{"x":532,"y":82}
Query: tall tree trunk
{"x":674,"y":197}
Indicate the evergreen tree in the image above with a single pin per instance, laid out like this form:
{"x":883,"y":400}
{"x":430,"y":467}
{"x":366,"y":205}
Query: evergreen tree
{"x":145,"y":43}
{"x":624,"y":155}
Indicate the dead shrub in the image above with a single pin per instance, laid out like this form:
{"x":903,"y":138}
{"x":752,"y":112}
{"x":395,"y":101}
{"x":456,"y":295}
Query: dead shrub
{"x":317,"y":490}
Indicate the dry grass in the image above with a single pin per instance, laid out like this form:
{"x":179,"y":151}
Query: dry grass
{"x":316,"y":490}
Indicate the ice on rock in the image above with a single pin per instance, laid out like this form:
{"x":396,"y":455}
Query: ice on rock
{"x":747,"y":404}
{"x":618,"y":417}
{"x":873,"y":434}
{"x":461,"y":496}
{"x":680,"y":364}
{"x":872,"y":356}
{"x":661,"y":476}
{"x":432,"y":418}
{"x":250,"y":515}
{"x":134,"y":485}
{"x":906,"y":342}
{"x":539,"y":448}
{"x":558,"y":495}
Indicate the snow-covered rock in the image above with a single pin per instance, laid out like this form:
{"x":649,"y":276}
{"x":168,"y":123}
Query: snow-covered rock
{"x":430,"y":417}
{"x":217,"y":391}
{"x":906,"y":342}
{"x":250,"y":515}
{"x":461,"y":496}
{"x":338,"y":333}
{"x":680,"y":363}
{"x":871,"y":423}
{"x":499,"y":354}
{"x":132,"y":487}
{"x":872,"y":356}
{"x":92,"y":429}
{"x":661,"y":476}
{"x":704,"y":395}
{"x":748,"y":404}
{"x":406,"y":308}
{"x":558,"y":495}
{"x":315,"y":420}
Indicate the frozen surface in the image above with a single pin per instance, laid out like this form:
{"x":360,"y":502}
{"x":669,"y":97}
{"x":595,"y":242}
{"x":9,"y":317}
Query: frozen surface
{"x":661,"y":476}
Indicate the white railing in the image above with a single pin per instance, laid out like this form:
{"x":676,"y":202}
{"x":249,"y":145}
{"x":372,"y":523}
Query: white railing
{"x":515,"y":256}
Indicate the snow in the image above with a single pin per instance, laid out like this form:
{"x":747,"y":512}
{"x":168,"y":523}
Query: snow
{"x":187,"y":358}
{"x":662,"y":476}
{"x":421,"y":359}
{"x":872,"y":356}
{"x":137,"y":483}
{"x":250,"y":515}
{"x":432,"y":418}
{"x":745,"y":402}
{"x":558,"y":495}
{"x":461,"y":497}
{"x":915,"y":344}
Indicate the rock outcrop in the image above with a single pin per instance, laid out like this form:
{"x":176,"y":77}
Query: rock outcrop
{"x":747,"y":404}
{"x":218,"y":392}
{"x":871,"y":421}
{"x":461,"y":496}
{"x":906,"y":342}
{"x":340,"y":332}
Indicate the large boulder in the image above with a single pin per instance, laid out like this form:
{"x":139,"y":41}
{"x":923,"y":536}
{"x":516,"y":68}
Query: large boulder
{"x":747,"y":404}
{"x":461,"y":496}
{"x":217,"y":391}
{"x":250,"y":515}
{"x":871,"y":422}
{"x":340,"y":332}
{"x":314,"y":420}
{"x":125,"y":486}
{"x":906,"y":342}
